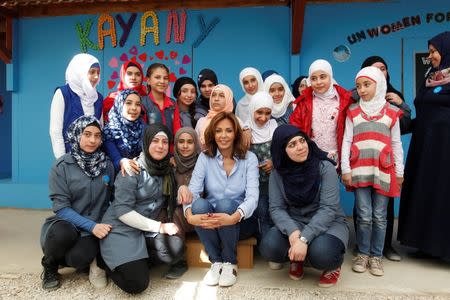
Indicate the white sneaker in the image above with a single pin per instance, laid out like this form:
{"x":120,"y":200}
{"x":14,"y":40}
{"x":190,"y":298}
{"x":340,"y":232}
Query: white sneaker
{"x":275,"y":266}
{"x":228,"y":276}
{"x":97,"y":276}
{"x":212,"y":277}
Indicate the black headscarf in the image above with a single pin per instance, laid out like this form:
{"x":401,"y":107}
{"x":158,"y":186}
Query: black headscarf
{"x":160,"y":167}
{"x":295,"y":86}
{"x":442,"y":44}
{"x":374,"y":59}
{"x":206,"y":74}
{"x":301,"y":181}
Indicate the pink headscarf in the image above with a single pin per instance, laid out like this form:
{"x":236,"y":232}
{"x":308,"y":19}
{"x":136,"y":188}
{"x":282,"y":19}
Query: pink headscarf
{"x":212,"y":113}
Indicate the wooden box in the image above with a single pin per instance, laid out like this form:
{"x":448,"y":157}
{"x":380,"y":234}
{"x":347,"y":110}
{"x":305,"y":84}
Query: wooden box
{"x":197,"y":257}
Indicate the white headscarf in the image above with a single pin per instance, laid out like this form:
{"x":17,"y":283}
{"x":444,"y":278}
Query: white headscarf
{"x":77,"y":77}
{"x":245,"y":100}
{"x":376,"y":104}
{"x":323,"y":65}
{"x":279,"y":109}
{"x":261,"y":134}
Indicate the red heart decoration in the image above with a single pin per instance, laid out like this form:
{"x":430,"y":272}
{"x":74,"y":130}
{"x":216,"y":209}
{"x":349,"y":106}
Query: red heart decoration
{"x":166,"y":58}
{"x":172,"y":77}
{"x":124,"y":57}
{"x":186,"y":60}
{"x":133,"y":58}
{"x":182,"y":71}
{"x":143,"y":56}
{"x":160,"y":54}
{"x":151,"y":57}
{"x":111,"y":84}
{"x":173,"y":54}
{"x":133,"y":50}
{"x":114,"y":75}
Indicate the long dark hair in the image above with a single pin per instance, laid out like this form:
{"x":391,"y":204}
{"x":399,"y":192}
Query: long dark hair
{"x":210,"y":136}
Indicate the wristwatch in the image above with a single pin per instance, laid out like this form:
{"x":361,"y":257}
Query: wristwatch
{"x":304,"y":240}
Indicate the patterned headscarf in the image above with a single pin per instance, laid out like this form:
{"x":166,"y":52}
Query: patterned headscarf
{"x":127,"y":134}
{"x":92,"y":164}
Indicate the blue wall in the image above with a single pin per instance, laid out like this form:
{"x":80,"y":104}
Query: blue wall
{"x":258,"y":37}
{"x":5,"y":127}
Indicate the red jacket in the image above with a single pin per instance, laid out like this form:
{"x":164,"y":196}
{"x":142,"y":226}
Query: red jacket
{"x":302,"y":115}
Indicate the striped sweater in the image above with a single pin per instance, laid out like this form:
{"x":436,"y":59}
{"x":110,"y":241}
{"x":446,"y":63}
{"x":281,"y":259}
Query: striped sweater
{"x":371,"y":156}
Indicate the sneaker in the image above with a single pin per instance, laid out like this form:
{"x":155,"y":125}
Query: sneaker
{"x":275,"y":266}
{"x":376,"y":266}
{"x":212,"y":277}
{"x":329,"y":278}
{"x":97,"y":276}
{"x":296,"y":270}
{"x":228,"y":275}
{"x":391,"y":254}
{"x":360,"y":263}
{"x":50,"y":276}
{"x":177,"y":270}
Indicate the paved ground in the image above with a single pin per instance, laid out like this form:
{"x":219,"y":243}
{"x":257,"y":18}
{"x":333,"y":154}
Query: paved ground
{"x":20,"y":269}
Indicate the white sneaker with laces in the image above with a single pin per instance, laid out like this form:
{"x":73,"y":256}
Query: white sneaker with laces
{"x":212,"y":277}
{"x":228,"y":276}
{"x":97,"y":276}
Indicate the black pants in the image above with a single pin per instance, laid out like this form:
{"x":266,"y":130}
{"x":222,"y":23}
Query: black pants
{"x":64,"y":246}
{"x":389,"y":225}
{"x":133,"y":277}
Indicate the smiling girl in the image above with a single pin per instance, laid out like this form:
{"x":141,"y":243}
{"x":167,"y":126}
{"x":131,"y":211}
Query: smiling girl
{"x":185,"y":91}
{"x":372,"y":165}
{"x":321,"y":109}
{"x":159,"y":107}
{"x":251,"y":82}
{"x":282,"y":97}
{"x":123,"y":133}
{"x":77,"y":98}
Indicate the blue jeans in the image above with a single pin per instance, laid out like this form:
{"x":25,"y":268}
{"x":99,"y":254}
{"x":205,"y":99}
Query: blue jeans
{"x":371,"y":221}
{"x":221,"y":243}
{"x":325,"y":252}
{"x":263,"y":216}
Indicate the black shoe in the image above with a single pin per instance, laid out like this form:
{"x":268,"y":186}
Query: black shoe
{"x":177,"y":270}
{"x":50,"y":276}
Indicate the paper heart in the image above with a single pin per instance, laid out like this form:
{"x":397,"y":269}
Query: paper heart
{"x":186,"y":60}
{"x":176,"y":62}
{"x":114,"y":75}
{"x":151,"y":57}
{"x":133,"y":58}
{"x":173,"y":54}
{"x":143,"y":56}
{"x":182,"y":71}
{"x":111,"y":84}
{"x":160,"y":54}
{"x":172,"y":77}
{"x":113,"y":63}
{"x":133,"y":50}
{"x":124,"y":57}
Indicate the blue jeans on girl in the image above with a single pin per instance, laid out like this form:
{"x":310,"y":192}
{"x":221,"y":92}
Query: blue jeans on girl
{"x":371,"y":221}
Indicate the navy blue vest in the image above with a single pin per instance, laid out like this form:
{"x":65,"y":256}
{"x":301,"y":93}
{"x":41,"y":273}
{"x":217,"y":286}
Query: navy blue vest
{"x":74,"y":110}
